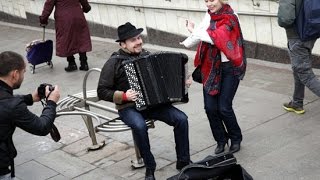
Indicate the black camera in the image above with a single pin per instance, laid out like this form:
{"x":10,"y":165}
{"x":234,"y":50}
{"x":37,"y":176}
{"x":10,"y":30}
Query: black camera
{"x":42,"y":90}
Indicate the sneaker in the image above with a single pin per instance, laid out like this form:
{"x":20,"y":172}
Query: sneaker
{"x":293,"y":108}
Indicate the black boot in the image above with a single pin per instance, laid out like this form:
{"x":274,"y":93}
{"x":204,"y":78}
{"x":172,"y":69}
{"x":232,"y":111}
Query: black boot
{"x":149,"y":174}
{"x":219,"y":149}
{"x":72,"y":66}
{"x":235,"y":147}
{"x":181,"y":164}
{"x":83,"y":62}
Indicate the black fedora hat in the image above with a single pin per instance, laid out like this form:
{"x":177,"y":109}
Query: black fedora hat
{"x":127,"y":31}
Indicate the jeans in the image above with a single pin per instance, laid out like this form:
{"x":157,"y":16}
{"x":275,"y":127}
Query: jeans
{"x":222,"y":119}
{"x":300,"y":56}
{"x":6,"y":177}
{"x":167,"y":114}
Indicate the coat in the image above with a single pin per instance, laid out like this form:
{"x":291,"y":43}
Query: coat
{"x":72,"y":31}
{"x":14,"y":113}
{"x":113,"y":81}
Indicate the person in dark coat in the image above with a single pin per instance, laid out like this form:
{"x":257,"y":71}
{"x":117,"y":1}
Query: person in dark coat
{"x":72,"y":32}
{"x":114,"y":86}
{"x":14,"y":112}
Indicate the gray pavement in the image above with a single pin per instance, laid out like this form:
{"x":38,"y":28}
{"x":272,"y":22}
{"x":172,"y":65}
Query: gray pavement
{"x":276,"y":144}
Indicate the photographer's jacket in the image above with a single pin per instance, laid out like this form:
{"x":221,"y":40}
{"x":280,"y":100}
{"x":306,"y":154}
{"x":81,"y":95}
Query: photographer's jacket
{"x":14,"y":113}
{"x":113,"y":80}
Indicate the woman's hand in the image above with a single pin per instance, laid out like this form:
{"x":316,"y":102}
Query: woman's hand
{"x":190,"y":25}
{"x":189,"y":81}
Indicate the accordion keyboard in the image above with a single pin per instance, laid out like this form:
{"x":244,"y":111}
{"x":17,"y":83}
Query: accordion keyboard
{"x":134,"y":84}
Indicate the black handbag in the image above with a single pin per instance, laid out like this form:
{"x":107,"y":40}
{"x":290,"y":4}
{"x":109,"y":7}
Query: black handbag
{"x":220,"y":167}
{"x":196,"y":74}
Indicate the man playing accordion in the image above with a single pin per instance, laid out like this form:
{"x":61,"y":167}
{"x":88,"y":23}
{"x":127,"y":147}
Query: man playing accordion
{"x":114,"y":87}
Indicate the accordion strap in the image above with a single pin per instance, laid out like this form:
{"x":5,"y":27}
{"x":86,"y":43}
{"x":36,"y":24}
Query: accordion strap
{"x":119,"y":56}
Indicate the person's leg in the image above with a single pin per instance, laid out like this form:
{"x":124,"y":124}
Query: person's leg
{"x":83,"y":62}
{"x":300,"y":55}
{"x":217,"y":128}
{"x":229,"y":86}
{"x":296,"y":104}
{"x":72,"y":66}
{"x":299,"y":89}
{"x":134,"y":119}
{"x":178,"y":119}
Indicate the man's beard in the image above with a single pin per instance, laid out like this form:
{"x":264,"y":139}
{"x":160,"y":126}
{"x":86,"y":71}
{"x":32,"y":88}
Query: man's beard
{"x":17,"y":85}
{"x":136,"y":47}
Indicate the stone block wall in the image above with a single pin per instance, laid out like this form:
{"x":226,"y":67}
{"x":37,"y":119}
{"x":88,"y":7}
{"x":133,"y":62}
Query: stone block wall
{"x":164,"y":21}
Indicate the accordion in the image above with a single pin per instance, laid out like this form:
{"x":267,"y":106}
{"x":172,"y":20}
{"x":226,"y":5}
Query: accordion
{"x":158,"y":78}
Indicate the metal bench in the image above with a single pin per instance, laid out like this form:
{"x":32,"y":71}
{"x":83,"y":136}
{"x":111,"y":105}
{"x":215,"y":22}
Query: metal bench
{"x":80,"y":103}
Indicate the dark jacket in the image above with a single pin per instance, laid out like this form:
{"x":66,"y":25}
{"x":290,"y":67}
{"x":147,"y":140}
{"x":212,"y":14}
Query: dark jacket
{"x":72,"y":31}
{"x":287,"y":13}
{"x":14,"y":113}
{"x":113,"y":81}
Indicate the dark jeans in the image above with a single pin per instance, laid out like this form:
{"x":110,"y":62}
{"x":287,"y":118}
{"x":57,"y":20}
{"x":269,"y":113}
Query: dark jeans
{"x":223,"y":121}
{"x":168,"y":114}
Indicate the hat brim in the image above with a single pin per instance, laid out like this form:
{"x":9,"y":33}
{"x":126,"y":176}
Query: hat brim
{"x":131,"y":34}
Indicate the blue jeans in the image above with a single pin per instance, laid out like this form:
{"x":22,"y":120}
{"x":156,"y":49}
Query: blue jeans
{"x":167,"y":114}
{"x":300,"y":56}
{"x":223,"y":121}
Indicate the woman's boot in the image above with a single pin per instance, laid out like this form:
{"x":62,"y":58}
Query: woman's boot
{"x":83,"y":62}
{"x":72,"y":66}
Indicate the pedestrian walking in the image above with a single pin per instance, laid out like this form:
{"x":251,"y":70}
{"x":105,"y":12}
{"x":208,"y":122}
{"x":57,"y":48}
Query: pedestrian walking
{"x":300,"y":56}
{"x":72,"y":31}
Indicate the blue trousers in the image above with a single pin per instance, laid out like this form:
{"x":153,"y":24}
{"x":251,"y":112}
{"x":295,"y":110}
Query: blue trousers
{"x":167,"y":114}
{"x":300,"y":56}
{"x":222,"y":119}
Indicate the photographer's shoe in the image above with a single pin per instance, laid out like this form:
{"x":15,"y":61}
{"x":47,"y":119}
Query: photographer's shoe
{"x":291,"y":107}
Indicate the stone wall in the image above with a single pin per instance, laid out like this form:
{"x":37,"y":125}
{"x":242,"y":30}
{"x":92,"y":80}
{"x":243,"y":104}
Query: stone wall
{"x":164,"y":21}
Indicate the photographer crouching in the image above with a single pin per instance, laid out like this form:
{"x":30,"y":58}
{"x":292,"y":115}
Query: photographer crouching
{"x":14,"y":112}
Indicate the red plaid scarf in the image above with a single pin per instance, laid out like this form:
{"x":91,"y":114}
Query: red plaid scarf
{"x":226,"y":35}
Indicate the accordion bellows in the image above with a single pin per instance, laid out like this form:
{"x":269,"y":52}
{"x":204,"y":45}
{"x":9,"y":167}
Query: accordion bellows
{"x":159,"y":78}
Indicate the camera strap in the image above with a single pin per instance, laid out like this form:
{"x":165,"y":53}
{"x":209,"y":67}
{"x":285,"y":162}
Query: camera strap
{"x":44,"y":103}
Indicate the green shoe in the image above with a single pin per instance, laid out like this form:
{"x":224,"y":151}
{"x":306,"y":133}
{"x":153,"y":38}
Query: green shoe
{"x":293,"y":108}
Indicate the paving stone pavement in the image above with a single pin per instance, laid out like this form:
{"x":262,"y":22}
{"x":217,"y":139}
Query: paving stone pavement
{"x":276,"y":144}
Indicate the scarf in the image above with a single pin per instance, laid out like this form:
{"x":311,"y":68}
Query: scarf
{"x":226,"y":35}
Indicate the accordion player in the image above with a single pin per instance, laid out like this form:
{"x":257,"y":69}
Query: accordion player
{"x":159,"y":78}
